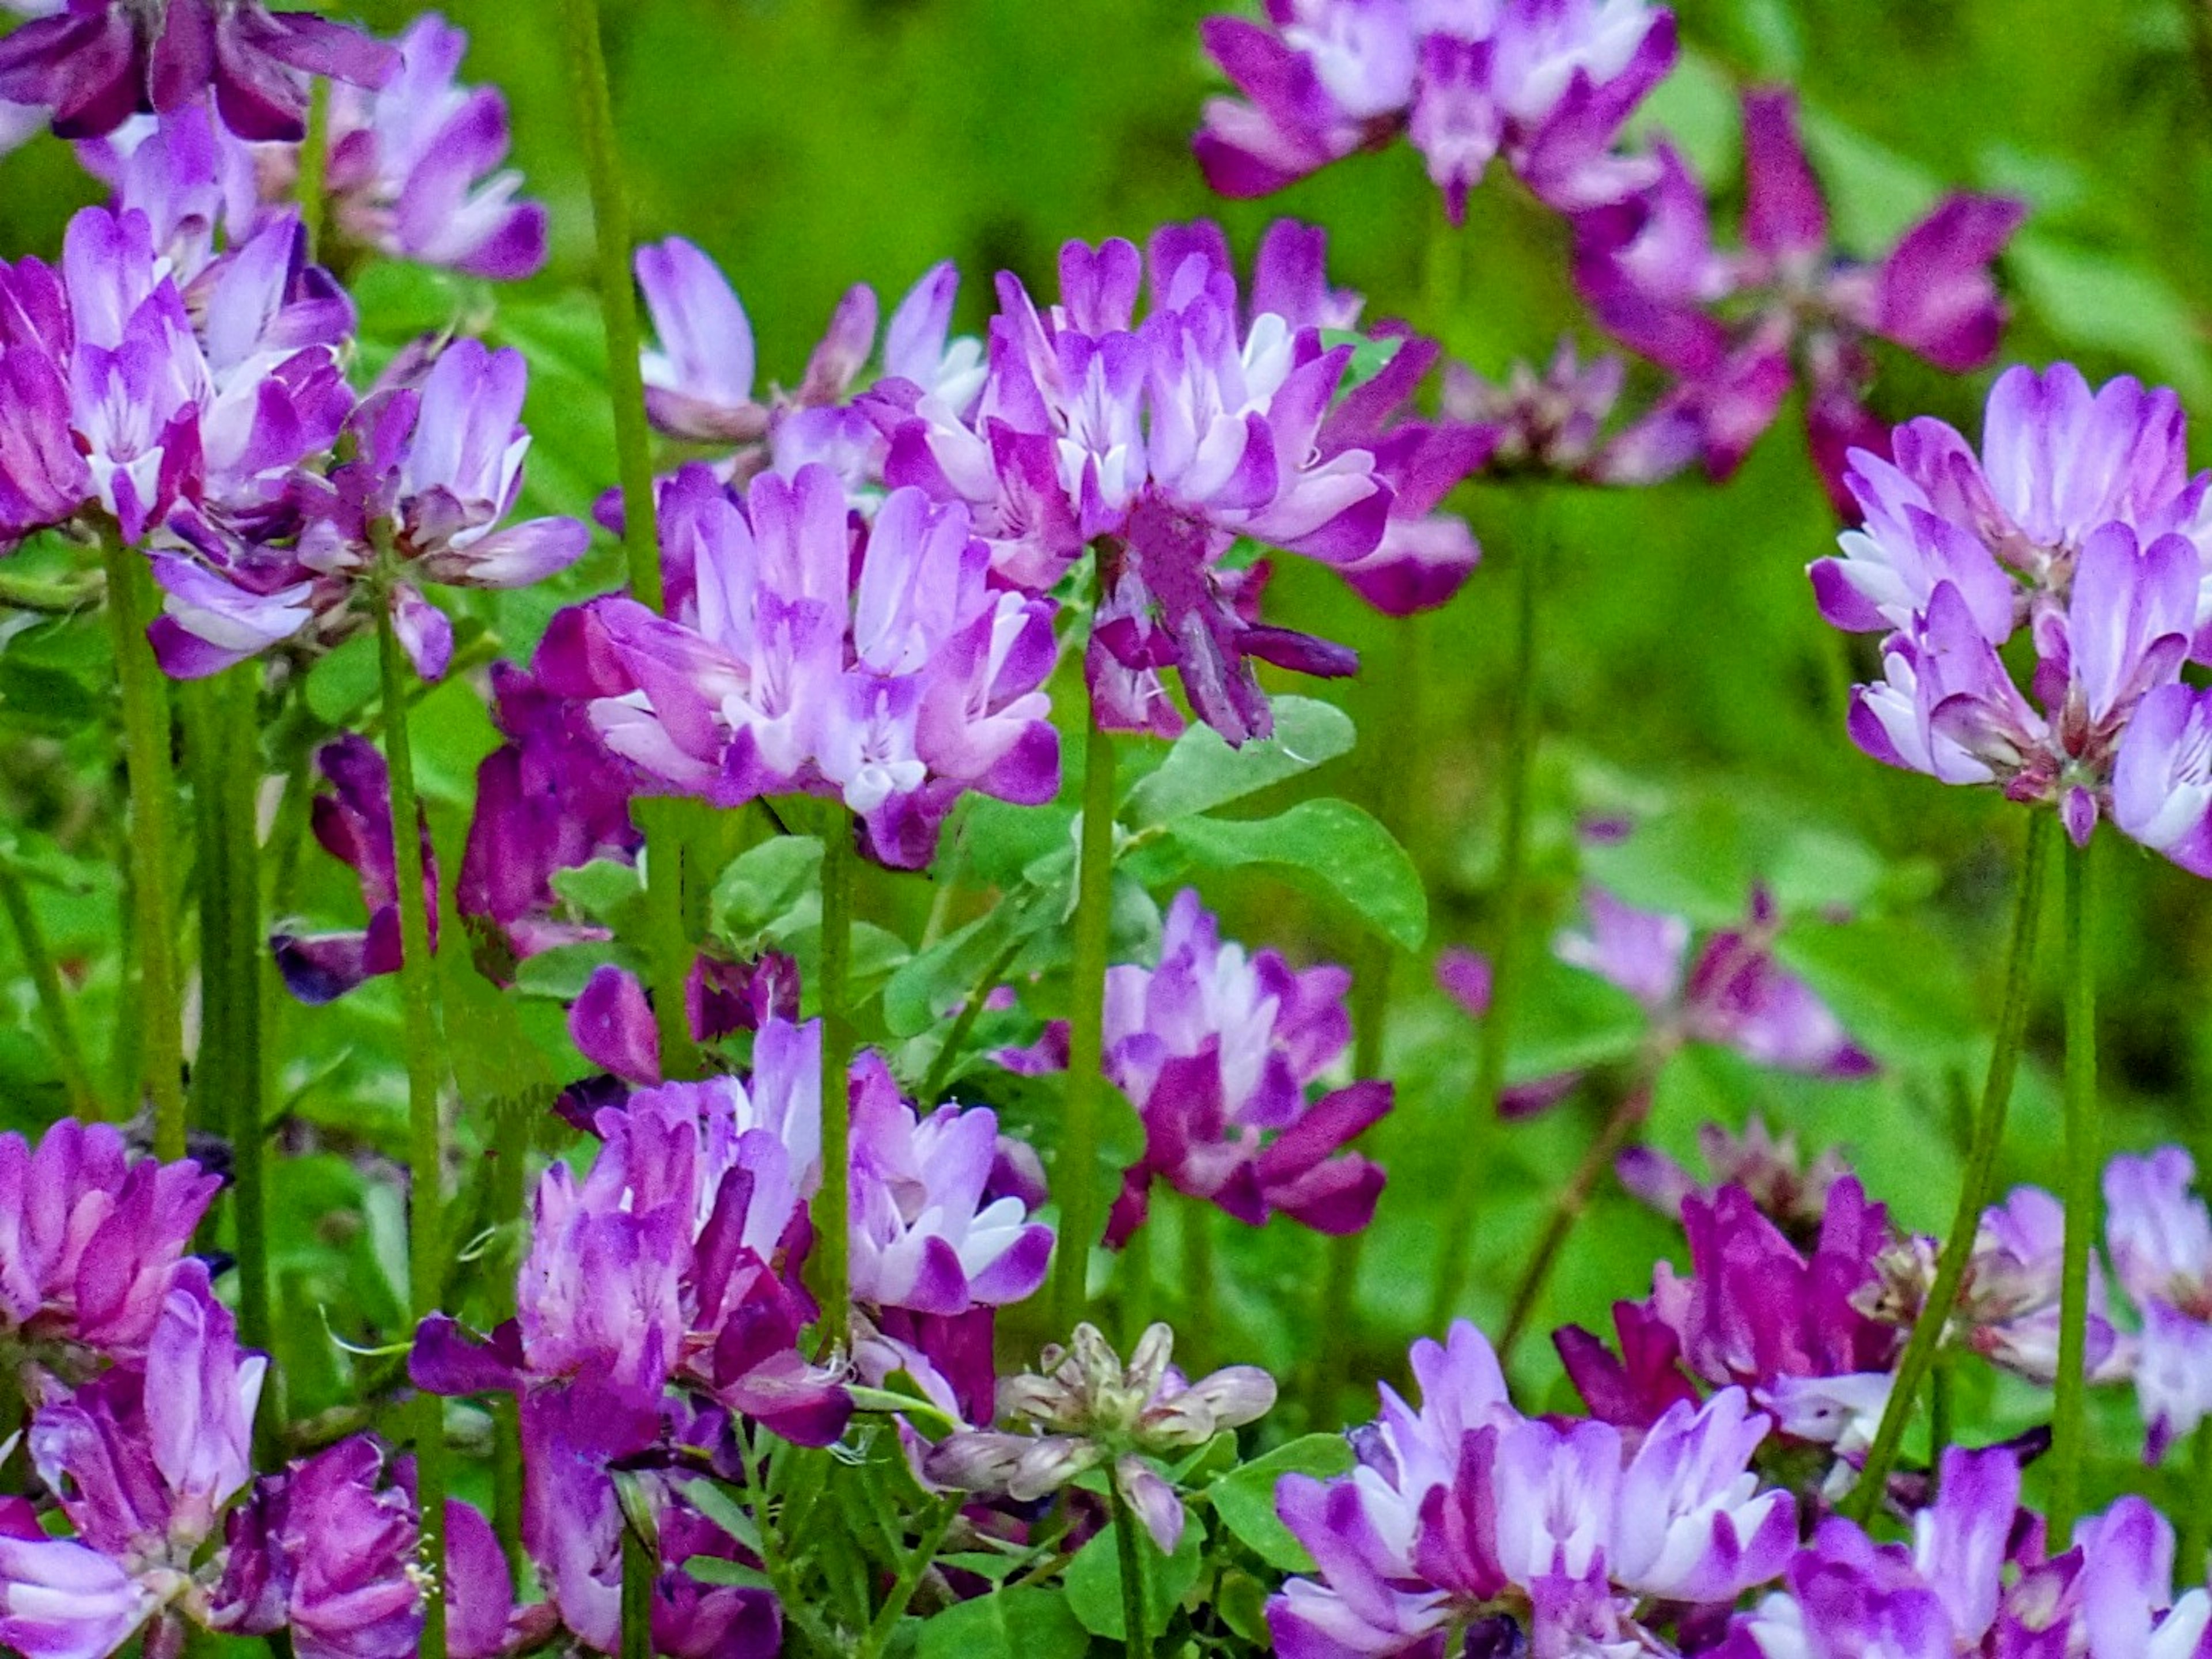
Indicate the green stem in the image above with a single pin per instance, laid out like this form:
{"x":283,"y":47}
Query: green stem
{"x":1939,"y":1415}
{"x":131,"y":607}
{"x":426,"y":1253}
{"x":53,"y":1004}
{"x":833,"y":1204}
{"x":1977,"y":1188}
{"x":1569,"y":1206}
{"x":884,"y":1625}
{"x":1077,"y":1175}
{"x":1475,"y":1168}
{"x":2197,"y":1520}
{"x":946,"y":1066}
{"x":2069,"y":1403}
{"x":1129,"y":1548}
{"x":307,"y":190}
{"x":239,"y":728}
{"x":638,"y":1572}
{"x":506,"y":1481}
{"x":200,"y":705}
{"x":1202,"y":1314}
{"x":668,"y":941}
{"x":595,"y":131}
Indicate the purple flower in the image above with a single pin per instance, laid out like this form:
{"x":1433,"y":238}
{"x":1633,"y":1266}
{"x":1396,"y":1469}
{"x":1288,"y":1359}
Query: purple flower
{"x":100,"y":61}
{"x":1466,"y":1509}
{"x":1216,"y":1049}
{"x":873,"y":664}
{"x":91,"y":1241}
{"x":2161,"y":1241}
{"x":2079,"y":519}
{"x":1548,"y":83}
{"x":1737,"y":329}
{"x":416,"y":165}
{"x":612,"y":1024}
{"x":1773,"y":1172}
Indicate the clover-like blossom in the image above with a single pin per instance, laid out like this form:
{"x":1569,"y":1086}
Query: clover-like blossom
{"x":91,"y":1239}
{"x":1216,"y":1049}
{"x":1559,"y":421}
{"x":1547,"y":83}
{"x":2161,"y":1240}
{"x":872,"y":663}
{"x":96,"y":62}
{"x":2080,"y":521}
{"x":1976,"y":1579}
{"x":125,"y":402}
{"x":1162,"y":442}
{"x":1773,"y":1171}
{"x":1464,"y":1509}
{"x":1739,"y":329}
{"x":1732,"y":992}
{"x":612,"y":1023}
{"x":1084,"y":1408}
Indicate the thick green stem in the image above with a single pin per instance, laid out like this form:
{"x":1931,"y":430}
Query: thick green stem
{"x":200,"y":708}
{"x":833,"y":1204}
{"x":1129,"y":1548}
{"x":1474,"y":1170}
{"x":53,"y":1003}
{"x":426,"y":1251}
{"x":1202,"y":1314}
{"x":1133,"y":1283}
{"x":1977,"y":1188}
{"x":131,"y":608}
{"x":2068,"y":1410}
{"x":668,"y":941}
{"x":239,"y":727}
{"x":638,"y":1573}
{"x":1077,"y":1176}
{"x":2197,"y":1519}
{"x":307,"y":190}
{"x":1939,"y":1415}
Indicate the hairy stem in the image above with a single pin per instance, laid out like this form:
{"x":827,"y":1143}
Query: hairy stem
{"x":1129,"y":1548}
{"x":54,"y":1002}
{"x":426,"y":1250}
{"x":1505,"y":967}
{"x":131,"y":607}
{"x":1077,"y":1175}
{"x":1572,"y":1204}
{"x":1975,"y":1190}
{"x":833,"y":1204}
{"x":2069,"y":1402}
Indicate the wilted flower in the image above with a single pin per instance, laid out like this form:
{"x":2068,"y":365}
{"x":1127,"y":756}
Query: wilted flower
{"x":1464,"y":1509}
{"x":97,"y":61}
{"x":1548,"y":84}
{"x":1083,"y":1408}
{"x":1739,"y":329}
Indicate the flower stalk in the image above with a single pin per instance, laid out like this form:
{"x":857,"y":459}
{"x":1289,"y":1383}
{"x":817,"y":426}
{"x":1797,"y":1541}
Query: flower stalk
{"x":426,"y":1252}
{"x":146,"y":737}
{"x":1975,"y":1190}
{"x":832,"y":1206}
{"x":2069,"y":1404}
{"x":53,"y":1003}
{"x":1077,"y":1177}
{"x":1136,"y":1621}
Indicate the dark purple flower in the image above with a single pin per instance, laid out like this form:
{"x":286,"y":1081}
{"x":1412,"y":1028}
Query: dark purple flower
{"x":97,"y":62}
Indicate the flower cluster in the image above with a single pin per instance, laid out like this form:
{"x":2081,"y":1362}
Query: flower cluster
{"x":2079,"y":522}
{"x":1547,"y":83}
{"x":2161,"y":1241}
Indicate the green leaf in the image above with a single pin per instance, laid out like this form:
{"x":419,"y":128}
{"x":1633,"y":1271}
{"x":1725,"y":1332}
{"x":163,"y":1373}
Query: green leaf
{"x":605,"y":890}
{"x":1244,"y":1499}
{"x":713,"y":1569}
{"x":2095,"y":299}
{"x":1012,"y":1624}
{"x":1328,"y":846}
{"x":1202,"y":772}
{"x":715,"y":1502}
{"x":929,"y":985}
{"x":761,"y":886}
{"x":495,"y":1065}
{"x":1094,"y":1579}
{"x":340,"y":684}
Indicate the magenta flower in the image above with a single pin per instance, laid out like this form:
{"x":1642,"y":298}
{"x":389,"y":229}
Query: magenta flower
{"x":1559,"y":422}
{"x":1548,"y":84}
{"x":95,"y":62}
{"x":1773,"y":1172}
{"x":416,"y":168}
{"x":2079,"y":520}
{"x":1465,"y":1511}
{"x":1739,"y":329}
{"x":871,"y":664}
{"x":1216,"y":1049}
{"x":91,"y":1240}
{"x":612,"y":1024}
{"x":2161,"y":1241}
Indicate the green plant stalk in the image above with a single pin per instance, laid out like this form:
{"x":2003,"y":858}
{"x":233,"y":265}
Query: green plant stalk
{"x":307,"y":190}
{"x":833,"y":1204}
{"x":638,"y":1572}
{"x":1203,"y":1316}
{"x":418,"y":992}
{"x":1129,"y":1548}
{"x":1622,"y":1124}
{"x":200,"y":708}
{"x":884,"y":1625}
{"x":53,"y":1003}
{"x":2069,"y":1401}
{"x":1077,"y":1176}
{"x":131,"y":605}
{"x":1975,"y":1190}
{"x":239,"y":726}
{"x":2196,"y":1520}
{"x":1939,"y":1415}
{"x":1505,"y":966}
{"x":668,"y":942}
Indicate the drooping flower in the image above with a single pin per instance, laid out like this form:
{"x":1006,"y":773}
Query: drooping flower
{"x":97,"y":61}
{"x":2079,"y":519}
{"x":2161,"y":1241}
{"x":1082,"y":1408}
{"x":1465,"y":1511}
{"x":91,"y":1240}
{"x":1547,"y":83}
{"x":873,"y":664}
{"x":1739,"y":329}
